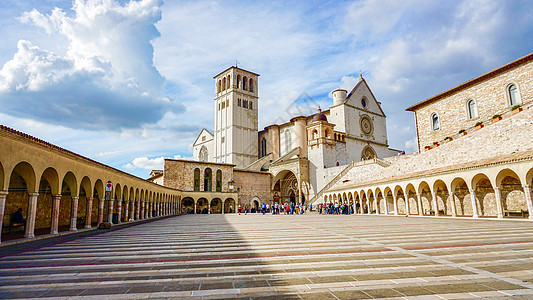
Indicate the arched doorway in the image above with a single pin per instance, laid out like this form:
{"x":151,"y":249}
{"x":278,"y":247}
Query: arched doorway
{"x":216,"y":206}
{"x":255,"y":206}
{"x":187,"y":205}
{"x":202,"y":206}
{"x":229,"y":206}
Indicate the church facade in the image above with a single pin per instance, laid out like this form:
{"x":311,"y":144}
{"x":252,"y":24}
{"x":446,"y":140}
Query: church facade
{"x":300,"y":156}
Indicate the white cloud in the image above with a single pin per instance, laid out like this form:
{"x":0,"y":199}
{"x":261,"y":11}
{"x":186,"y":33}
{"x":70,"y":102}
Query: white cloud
{"x":106,"y":79}
{"x":150,"y":163}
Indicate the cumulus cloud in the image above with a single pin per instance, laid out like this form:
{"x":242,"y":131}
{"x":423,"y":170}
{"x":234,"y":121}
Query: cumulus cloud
{"x":106,"y":78}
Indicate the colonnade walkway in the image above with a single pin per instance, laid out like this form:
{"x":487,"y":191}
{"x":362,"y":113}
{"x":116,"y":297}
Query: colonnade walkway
{"x":282,"y":257}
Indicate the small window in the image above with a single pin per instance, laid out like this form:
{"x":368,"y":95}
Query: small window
{"x":245,"y":104}
{"x":514,"y":97}
{"x":203,"y":139}
{"x":219,"y":106}
{"x":239,"y":102}
{"x":222,"y":140}
{"x":435,"y":123}
{"x":223,"y":104}
{"x":471,"y":109}
{"x":251,"y":106}
{"x":227,"y":103}
{"x":363,"y":102}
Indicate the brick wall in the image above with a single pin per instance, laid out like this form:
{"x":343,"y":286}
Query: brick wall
{"x":179,"y":174}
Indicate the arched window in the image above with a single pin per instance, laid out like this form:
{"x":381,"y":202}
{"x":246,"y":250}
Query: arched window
{"x":514,"y":96}
{"x":224,"y":83}
{"x":315,"y":134}
{"x":204,"y":154}
{"x":435,"y":123}
{"x":368,"y":153}
{"x":251,"y":85}
{"x":208,"y":180}
{"x":244,"y":83}
{"x":471,"y":108}
{"x":219,"y":86}
{"x":288,"y":141}
{"x":219,"y":181}
{"x":238,"y":81}
{"x":326,"y":133}
{"x":196,"y":180}
{"x":251,"y":105}
{"x":263,"y":147}
{"x":229,"y":81}
{"x":239,"y":102}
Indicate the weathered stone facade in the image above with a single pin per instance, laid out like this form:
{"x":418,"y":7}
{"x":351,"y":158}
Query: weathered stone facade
{"x":179,"y":174}
{"x":490,"y":94}
{"x":253,"y":186}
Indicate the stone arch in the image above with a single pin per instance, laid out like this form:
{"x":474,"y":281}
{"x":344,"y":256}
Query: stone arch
{"x":368,"y":153}
{"x":245,"y":83}
{"x":229,"y":205}
{"x":48,"y":187}
{"x":485,"y":195}
{"x":224,"y":86}
{"x":441,"y":192}
{"x":187,"y":205}
{"x":461,"y":194}
{"x":401,"y":203}
{"x":52,"y":177}
{"x":69,"y":190}
{"x":380,"y":201}
{"x":202,"y":206}
{"x":26,"y":172}
{"x":21,"y":183}
{"x":426,"y":204}
{"x":387,"y":196}
{"x":251,"y":85}
{"x":528,"y":178}
{"x":372,"y":205}
{"x":86,"y":191}
{"x":512,"y":193}
{"x":216,"y":206}
{"x":411,"y":199}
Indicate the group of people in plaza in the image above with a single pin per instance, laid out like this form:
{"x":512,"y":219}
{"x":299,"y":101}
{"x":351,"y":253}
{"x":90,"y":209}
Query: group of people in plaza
{"x":338,"y":209}
{"x":275,"y":209}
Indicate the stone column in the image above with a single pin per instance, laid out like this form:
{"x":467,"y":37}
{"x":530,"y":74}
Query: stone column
{"x":452,"y":204}
{"x":222,"y":207}
{"x":407,"y":205}
{"x":150,"y":209}
{"x":32,"y":213}
{"x":498,"y":198}
{"x":209,"y":207}
{"x":435,"y":203}
{"x":119,"y":210}
{"x":475,"y":213}
{"x":420,"y":207}
{"x":141,"y":210}
{"x":377,"y":205}
{"x":89,"y":212}
{"x":3,"y":196}
{"x":110,"y":212}
{"x":137,"y":209}
{"x":195,"y":207}
{"x":101,"y":206}
{"x":132,"y":210}
{"x":529,"y":200}
{"x":127,"y":211}
{"x":56,"y":202}
{"x":368,"y":205}
{"x":386,"y":204}
{"x":74,"y":213}
{"x":395,"y":202}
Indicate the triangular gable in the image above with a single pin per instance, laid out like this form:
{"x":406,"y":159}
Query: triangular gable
{"x":208,"y":134}
{"x":361,"y":90}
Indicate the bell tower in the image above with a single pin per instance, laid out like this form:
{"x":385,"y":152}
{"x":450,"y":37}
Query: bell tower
{"x":236,"y":104}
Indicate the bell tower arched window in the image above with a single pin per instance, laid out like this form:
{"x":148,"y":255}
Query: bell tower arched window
{"x":244,"y":83}
{"x":251,"y":85}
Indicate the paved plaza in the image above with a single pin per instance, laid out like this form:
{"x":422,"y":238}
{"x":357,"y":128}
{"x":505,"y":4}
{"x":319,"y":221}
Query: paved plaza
{"x":281,"y":257}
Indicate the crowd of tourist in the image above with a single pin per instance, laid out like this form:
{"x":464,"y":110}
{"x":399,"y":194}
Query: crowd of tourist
{"x":296,"y":209}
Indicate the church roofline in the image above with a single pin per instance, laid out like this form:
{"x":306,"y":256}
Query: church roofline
{"x":234,"y":67}
{"x":200,"y":162}
{"x":521,"y":61}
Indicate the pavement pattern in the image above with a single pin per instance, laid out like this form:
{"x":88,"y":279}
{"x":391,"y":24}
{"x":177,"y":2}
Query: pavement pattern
{"x":280,"y":257}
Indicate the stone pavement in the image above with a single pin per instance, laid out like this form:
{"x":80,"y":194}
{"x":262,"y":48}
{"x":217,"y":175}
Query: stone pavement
{"x":282,"y":257}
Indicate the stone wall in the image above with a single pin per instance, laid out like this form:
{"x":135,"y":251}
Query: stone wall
{"x":179,"y":174}
{"x":490,"y":95}
{"x":253,"y":184}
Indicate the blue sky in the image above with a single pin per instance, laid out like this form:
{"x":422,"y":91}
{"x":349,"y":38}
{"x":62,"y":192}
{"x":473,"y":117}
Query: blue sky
{"x":130,"y":82}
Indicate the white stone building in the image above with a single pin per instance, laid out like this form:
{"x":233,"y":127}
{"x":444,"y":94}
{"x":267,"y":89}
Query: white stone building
{"x":302,"y":155}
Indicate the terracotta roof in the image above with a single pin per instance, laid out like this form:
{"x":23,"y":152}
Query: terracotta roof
{"x":505,"y":68}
